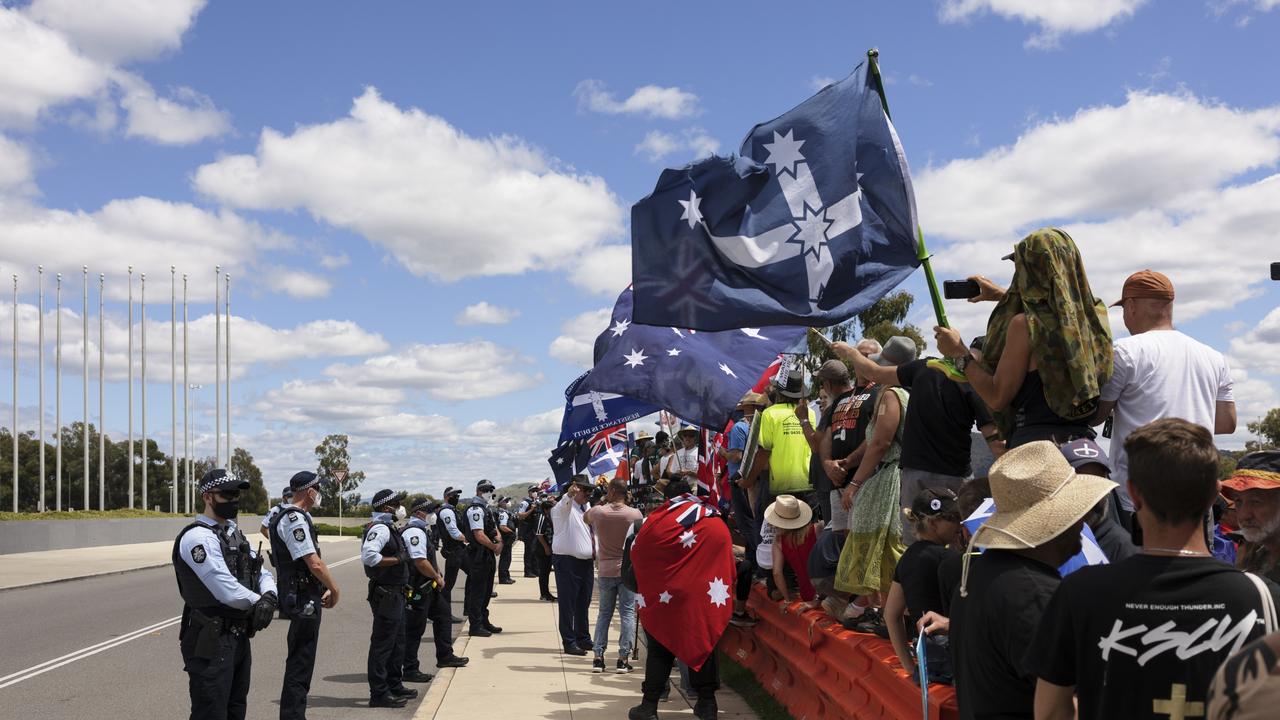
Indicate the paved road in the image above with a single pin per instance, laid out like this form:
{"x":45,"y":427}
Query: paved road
{"x":108,"y":647}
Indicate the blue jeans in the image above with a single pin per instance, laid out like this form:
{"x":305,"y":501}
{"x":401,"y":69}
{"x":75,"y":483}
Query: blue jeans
{"x":612,"y":592}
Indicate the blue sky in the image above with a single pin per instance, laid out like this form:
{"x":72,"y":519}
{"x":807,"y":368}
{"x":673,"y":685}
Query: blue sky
{"x":369,"y":171}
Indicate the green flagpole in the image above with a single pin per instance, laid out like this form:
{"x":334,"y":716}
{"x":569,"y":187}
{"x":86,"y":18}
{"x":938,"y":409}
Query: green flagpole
{"x":873,"y":60}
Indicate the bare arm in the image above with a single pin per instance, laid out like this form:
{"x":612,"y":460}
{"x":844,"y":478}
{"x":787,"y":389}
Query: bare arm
{"x":779,"y":564}
{"x":321,"y":572}
{"x":1105,"y":407}
{"x":1054,"y":702}
{"x":991,"y":434}
{"x":829,"y":466}
{"x":888,"y":413}
{"x":996,"y":390}
{"x":895,"y":606}
{"x":484,"y":540}
{"x":865,"y":367}
{"x":427,"y":570}
{"x":758,"y":464}
{"x":1224,"y":418}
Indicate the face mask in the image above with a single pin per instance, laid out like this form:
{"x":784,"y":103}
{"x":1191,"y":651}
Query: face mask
{"x":431,"y":518}
{"x":227,"y":510}
{"x":316,"y":503}
{"x":400,"y":513}
{"x":488,"y":494}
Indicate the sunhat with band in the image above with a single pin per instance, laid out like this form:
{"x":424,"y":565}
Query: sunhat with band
{"x":1038,"y":496}
{"x":788,"y":513}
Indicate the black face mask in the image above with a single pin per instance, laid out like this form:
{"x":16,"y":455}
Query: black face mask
{"x":227,"y":510}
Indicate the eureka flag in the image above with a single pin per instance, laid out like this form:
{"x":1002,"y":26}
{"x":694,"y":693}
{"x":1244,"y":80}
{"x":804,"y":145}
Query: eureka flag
{"x":810,"y":225}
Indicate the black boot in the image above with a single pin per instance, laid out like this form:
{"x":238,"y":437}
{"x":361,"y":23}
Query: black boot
{"x":646,"y":710}
{"x":705,"y":708}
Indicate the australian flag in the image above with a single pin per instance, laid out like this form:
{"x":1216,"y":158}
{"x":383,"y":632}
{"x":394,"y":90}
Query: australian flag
{"x":700,"y":376}
{"x":813,"y":222}
{"x":587,"y":412}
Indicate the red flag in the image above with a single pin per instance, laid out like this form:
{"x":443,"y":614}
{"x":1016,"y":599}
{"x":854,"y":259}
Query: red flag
{"x":767,"y":376}
{"x":712,"y":482}
{"x":683,"y":559}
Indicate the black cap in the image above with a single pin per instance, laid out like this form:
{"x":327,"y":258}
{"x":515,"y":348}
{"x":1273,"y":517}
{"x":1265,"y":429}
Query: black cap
{"x":935,"y":501}
{"x":451,"y":491}
{"x":386,"y":497}
{"x":221,"y":479}
{"x":287,"y":492}
{"x":483,"y":485}
{"x":425,"y":505}
{"x":303,"y":480}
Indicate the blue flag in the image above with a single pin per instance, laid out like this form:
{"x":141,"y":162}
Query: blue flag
{"x":813,"y":222}
{"x":567,"y":459}
{"x":700,"y":376}
{"x":587,"y":412}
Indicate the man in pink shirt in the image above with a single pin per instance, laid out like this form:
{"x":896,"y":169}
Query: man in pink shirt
{"x":610,"y":523}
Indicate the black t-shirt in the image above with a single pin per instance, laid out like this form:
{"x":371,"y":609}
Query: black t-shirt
{"x":848,"y":417}
{"x":935,"y":435}
{"x":949,"y":572}
{"x":1132,"y":635}
{"x":991,"y":630}
{"x":817,"y":476}
{"x":917,"y":573}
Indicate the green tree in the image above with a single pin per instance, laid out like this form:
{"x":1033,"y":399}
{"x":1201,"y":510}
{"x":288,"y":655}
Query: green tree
{"x":1267,"y":429}
{"x":332,"y":457}
{"x":885,"y":318}
{"x":255,"y":498}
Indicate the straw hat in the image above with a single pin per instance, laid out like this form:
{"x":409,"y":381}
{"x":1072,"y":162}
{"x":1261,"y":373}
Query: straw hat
{"x":788,"y":513}
{"x":1038,"y":496}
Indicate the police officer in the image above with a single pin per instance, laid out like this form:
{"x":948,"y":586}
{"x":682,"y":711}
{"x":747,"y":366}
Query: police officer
{"x":286,"y":496}
{"x":306,"y":586}
{"x":482,"y":561}
{"x":227,"y":596}
{"x":544,"y":533}
{"x":452,"y":544}
{"x":507,"y":531}
{"x":385,"y":563}
{"x":526,"y":523}
{"x":425,"y":601}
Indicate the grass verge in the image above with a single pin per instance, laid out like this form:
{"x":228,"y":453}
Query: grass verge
{"x":745,"y":684}
{"x":122,"y":513}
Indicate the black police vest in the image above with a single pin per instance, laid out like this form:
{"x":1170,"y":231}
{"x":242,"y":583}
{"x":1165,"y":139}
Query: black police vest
{"x":292,"y":573}
{"x":388,"y":575}
{"x":490,"y":522}
{"x":235,"y":551}
{"x":448,"y":542}
{"x":416,"y":578}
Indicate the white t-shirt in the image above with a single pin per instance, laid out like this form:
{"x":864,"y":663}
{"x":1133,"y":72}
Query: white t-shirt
{"x":686,"y":459}
{"x":764,"y":551}
{"x":1162,"y":374}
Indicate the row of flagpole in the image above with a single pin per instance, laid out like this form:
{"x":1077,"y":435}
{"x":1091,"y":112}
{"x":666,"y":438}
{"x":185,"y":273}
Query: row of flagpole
{"x":222,"y":358}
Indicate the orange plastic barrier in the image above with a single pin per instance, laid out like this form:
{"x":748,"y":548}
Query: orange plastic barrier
{"x":817,"y":669}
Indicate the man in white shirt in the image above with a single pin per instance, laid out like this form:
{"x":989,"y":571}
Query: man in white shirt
{"x":572,"y":550}
{"x":1160,"y":373}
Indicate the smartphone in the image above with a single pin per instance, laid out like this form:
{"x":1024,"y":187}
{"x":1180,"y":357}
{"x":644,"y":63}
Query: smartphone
{"x":960,"y":289}
{"x":1275,"y":271}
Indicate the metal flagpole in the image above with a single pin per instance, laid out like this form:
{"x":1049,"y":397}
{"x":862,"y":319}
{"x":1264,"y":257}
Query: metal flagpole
{"x":173,"y":385}
{"x":40,"y":413}
{"x":102,"y":405}
{"x":84,"y":360}
{"x":132,"y":457}
{"x":227,"y":348}
{"x":145,"y":459}
{"x":57,"y":400}
{"x":217,"y":367}
{"x":15,"y":393}
{"x":195,"y":418}
{"x":186,"y":395}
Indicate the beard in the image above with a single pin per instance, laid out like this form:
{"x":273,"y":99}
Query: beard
{"x":1262,"y":532}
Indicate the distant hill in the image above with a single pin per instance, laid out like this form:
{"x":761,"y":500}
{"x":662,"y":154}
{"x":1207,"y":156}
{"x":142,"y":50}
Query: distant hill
{"x":514,"y":491}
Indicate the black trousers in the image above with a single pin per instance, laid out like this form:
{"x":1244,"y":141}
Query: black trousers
{"x":481,"y":566}
{"x":530,"y":554}
{"x":657,"y":669}
{"x":575,"y":579}
{"x":543,"y":561}
{"x":434,"y":611}
{"x":746,"y":574}
{"x":304,"y":636}
{"x":504,"y":561}
{"x":386,"y":642}
{"x":453,"y":561}
{"x":218,"y":685}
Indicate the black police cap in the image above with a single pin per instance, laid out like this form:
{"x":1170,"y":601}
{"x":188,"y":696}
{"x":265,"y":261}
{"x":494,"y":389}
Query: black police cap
{"x":386,"y":497}
{"x":484,"y":485}
{"x":425,"y":505}
{"x":303,"y":480}
{"x":219,"y":479}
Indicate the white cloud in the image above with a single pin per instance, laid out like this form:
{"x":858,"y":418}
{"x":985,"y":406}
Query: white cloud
{"x":188,"y":117}
{"x":694,"y":141}
{"x":445,"y":204}
{"x":482,"y":313}
{"x":1259,"y":348}
{"x":669,"y":103}
{"x":817,"y":82}
{"x":604,"y":270}
{"x":576,"y":342}
{"x":319,"y":401}
{"x":39,"y":68}
{"x":119,"y":30}
{"x":297,"y":283}
{"x":17,"y":168}
{"x":1055,"y":18}
{"x":333,"y":262}
{"x":446,"y":371}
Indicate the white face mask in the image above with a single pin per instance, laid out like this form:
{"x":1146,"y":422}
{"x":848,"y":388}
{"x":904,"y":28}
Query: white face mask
{"x":316,"y":503}
{"x":400,"y":513}
{"x":431,"y":518}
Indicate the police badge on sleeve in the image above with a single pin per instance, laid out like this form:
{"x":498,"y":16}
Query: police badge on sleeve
{"x":197,"y":553}
{"x":413,"y":540}
{"x":299,"y":534}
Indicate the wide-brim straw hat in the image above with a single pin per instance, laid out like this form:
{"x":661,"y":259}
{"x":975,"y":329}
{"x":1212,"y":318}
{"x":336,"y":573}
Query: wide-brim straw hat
{"x":1038,"y":496}
{"x":788,"y":513}
{"x":688,"y":430}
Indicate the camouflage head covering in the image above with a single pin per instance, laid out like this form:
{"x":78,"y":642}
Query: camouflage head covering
{"x":1070,"y":333}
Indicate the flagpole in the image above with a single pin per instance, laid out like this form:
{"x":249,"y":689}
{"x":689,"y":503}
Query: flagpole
{"x":132,"y":457}
{"x":40,"y":413}
{"x":84,"y":361}
{"x":57,"y":399}
{"x":145,"y":458}
{"x":173,"y":385}
{"x":102,"y":405}
{"x":227,"y":362}
{"x":186,"y":396}
{"x":217,"y":367}
{"x":922,"y":254}
{"x":15,"y":392}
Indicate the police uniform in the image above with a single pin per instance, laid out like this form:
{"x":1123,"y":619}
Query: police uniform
{"x":286,"y":498}
{"x":508,"y":520}
{"x":293,"y":538}
{"x":481,"y":565}
{"x":543,"y":529}
{"x":452,"y":544}
{"x":386,"y":600}
{"x":425,"y":604}
{"x":525,"y":530}
{"x":227,"y":596}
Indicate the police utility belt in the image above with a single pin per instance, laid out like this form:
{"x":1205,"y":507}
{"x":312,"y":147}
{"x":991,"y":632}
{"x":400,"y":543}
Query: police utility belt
{"x":210,"y":629}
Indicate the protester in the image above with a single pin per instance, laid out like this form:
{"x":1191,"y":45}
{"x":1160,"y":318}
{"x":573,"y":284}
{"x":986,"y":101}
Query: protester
{"x":872,"y":497}
{"x":1047,"y":351}
{"x":1255,"y":488}
{"x":610,"y":523}
{"x":1143,"y":637}
{"x":1160,"y":372}
{"x":572,"y":549}
{"x":935,"y":434}
{"x":1040,"y":507}
{"x":915,"y":589}
{"x":1087,"y":458}
{"x":973,"y":493}
{"x":683,"y":466}
{"x":1247,"y":686}
{"x":544,"y":533}
{"x":824,"y":560}
{"x":833,"y":381}
{"x":843,"y":431}
{"x":781,"y":465}
{"x":794,"y":536}
{"x":744,"y":518}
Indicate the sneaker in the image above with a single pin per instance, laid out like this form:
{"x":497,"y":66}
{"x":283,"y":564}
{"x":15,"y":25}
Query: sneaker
{"x":597,"y":664}
{"x":867,"y":622}
{"x":833,"y":607}
{"x":623,"y":667}
{"x":743,"y":620}
{"x":574,"y":650}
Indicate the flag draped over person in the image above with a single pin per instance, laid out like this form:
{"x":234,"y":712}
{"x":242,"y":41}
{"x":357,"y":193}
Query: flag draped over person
{"x":683,"y":560}
{"x":811,"y":224}
{"x":700,"y":376}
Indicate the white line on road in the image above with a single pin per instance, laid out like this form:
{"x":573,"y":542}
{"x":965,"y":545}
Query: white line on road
{"x":54,"y":664}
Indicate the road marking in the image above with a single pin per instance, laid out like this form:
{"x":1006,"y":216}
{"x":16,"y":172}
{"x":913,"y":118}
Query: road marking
{"x":54,"y":664}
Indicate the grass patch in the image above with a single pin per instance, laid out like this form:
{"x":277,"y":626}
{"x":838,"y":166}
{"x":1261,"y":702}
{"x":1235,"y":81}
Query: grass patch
{"x":327,"y":529}
{"x":745,"y":684}
{"x":123,"y":513}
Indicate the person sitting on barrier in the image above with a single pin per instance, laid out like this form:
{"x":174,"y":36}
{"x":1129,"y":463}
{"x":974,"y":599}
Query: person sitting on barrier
{"x":794,"y":539}
{"x":824,"y":559}
{"x":915,"y":590}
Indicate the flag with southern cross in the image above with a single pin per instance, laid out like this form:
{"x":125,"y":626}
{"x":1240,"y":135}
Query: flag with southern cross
{"x":810,"y":224}
{"x":568,"y":458}
{"x":608,"y":447}
{"x":699,"y":376}
{"x":587,"y":412}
